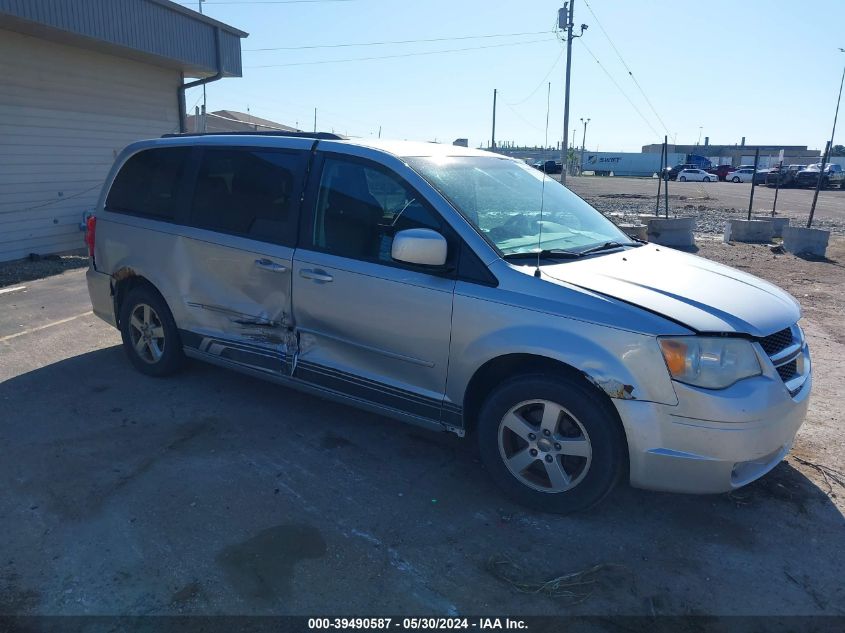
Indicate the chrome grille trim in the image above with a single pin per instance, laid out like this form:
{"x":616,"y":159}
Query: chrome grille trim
{"x":785,"y":351}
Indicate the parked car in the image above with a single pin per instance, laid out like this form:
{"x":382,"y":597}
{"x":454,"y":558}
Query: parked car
{"x":743,"y":174}
{"x":549,"y":166}
{"x":720,"y":171}
{"x":424,"y":283}
{"x":786,"y":175}
{"x":672,"y":172}
{"x":760,"y":176}
{"x":809,"y":177}
{"x":696,"y":175}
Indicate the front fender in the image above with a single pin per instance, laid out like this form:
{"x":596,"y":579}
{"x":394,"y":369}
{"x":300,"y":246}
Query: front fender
{"x":623,"y":364}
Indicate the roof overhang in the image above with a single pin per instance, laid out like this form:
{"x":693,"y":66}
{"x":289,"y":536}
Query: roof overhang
{"x":157,"y":32}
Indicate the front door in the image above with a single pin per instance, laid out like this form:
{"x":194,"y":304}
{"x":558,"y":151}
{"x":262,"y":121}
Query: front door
{"x":236,"y":284}
{"x":370,"y":327}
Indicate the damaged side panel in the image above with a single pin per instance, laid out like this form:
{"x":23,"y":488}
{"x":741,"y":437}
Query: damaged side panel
{"x":236,"y":291}
{"x":230,"y":296}
{"x":613,"y":388}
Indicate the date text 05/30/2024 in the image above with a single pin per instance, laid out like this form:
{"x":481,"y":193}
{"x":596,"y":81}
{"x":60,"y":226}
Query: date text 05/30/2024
{"x":412,"y":624}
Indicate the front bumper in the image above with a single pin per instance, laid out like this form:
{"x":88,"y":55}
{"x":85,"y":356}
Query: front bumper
{"x":714,"y":441}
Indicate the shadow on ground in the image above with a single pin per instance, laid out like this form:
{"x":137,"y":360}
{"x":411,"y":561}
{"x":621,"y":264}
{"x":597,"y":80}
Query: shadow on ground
{"x":211,"y":492}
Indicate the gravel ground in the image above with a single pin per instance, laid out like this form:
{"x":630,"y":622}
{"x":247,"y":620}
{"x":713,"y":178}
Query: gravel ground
{"x":711,"y":219}
{"x":631,"y":197}
{"x":15,"y":272}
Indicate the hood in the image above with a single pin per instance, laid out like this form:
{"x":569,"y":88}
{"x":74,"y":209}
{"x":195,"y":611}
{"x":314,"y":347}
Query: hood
{"x":696,"y":292}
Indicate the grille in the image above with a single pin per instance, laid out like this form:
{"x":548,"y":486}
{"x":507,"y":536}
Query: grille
{"x":788,"y":371}
{"x":777,"y":342}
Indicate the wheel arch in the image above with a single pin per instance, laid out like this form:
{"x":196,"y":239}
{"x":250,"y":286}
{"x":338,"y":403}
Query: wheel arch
{"x":123,"y":282}
{"x":498,"y":370}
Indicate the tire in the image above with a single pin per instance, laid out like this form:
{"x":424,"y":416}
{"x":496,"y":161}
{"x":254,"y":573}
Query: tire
{"x":555,"y":477}
{"x":683,"y":178}
{"x":706,"y":179}
{"x":735,"y":179}
{"x":150,"y":337}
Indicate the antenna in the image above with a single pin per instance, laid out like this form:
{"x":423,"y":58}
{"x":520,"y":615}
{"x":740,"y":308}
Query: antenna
{"x":543,"y":187}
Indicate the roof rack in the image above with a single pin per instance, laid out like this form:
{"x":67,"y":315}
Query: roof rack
{"x":325,"y":136}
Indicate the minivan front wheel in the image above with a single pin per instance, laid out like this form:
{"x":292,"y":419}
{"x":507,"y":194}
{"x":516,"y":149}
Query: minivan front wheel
{"x":551,"y":443}
{"x":149,"y":333}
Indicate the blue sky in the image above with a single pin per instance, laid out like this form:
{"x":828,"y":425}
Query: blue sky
{"x":768,"y":70}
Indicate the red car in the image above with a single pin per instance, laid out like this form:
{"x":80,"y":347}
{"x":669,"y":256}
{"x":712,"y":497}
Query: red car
{"x":721,"y":171}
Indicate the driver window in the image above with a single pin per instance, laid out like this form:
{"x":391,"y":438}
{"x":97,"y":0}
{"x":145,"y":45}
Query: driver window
{"x":360,"y":208}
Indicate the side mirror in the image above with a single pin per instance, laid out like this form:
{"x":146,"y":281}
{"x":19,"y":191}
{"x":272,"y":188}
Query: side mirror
{"x":422,"y":247}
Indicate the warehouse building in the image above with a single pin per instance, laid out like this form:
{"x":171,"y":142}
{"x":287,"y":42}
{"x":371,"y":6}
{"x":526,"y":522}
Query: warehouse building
{"x":742,"y":154}
{"x":79,"y":80}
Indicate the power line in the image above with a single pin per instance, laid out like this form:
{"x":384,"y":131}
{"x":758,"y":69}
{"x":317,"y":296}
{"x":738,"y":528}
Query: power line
{"x":434,"y":39}
{"x":363,"y":59}
{"x":618,"y":87}
{"x":630,"y":73}
{"x":542,"y":81}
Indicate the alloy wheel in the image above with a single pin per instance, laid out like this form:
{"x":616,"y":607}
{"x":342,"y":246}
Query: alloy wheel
{"x":147,"y":333}
{"x":544,"y":446}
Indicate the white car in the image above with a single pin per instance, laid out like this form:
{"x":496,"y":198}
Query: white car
{"x":743,"y":174}
{"x":696,"y":175}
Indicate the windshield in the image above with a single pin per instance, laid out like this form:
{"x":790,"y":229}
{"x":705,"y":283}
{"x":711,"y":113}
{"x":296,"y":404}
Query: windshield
{"x":502,"y":198}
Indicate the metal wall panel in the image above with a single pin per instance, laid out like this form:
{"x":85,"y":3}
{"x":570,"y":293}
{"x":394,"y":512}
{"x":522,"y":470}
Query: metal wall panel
{"x":65,"y":113}
{"x":154,"y":27}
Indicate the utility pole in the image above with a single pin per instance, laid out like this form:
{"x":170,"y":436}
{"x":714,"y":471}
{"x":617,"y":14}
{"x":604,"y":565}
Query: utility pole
{"x":203,"y":86}
{"x":583,"y":141}
{"x":565,"y":22}
{"x":493,"y":136}
{"x":315,"y":120}
{"x":828,"y":149}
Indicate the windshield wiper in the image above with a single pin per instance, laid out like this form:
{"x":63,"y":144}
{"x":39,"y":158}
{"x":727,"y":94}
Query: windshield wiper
{"x":607,"y":246}
{"x":547,"y":253}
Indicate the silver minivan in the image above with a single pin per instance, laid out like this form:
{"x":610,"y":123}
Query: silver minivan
{"x":455,"y":289}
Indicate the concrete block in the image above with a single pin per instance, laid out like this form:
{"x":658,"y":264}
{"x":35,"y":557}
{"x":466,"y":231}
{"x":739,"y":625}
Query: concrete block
{"x":804,"y":241}
{"x":777,"y":223}
{"x":639,"y":231}
{"x":749,"y":231}
{"x":671,"y":231}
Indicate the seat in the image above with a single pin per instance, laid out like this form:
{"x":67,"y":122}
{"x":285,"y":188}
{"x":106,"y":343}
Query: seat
{"x":351,"y":215}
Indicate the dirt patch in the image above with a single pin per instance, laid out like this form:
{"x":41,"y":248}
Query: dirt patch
{"x":818,"y":284}
{"x":38,"y":267}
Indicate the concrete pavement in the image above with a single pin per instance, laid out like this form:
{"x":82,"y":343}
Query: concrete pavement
{"x":214,"y":493}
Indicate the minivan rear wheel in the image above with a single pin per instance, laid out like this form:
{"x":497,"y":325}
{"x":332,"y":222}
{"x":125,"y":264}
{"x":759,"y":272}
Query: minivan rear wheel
{"x":149,"y":333}
{"x":554,"y":444}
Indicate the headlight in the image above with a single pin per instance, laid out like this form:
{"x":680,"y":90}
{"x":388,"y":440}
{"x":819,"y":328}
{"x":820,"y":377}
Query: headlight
{"x":709,"y":362}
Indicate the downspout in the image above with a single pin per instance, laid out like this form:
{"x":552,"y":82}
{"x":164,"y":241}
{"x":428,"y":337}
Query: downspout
{"x":180,"y":92}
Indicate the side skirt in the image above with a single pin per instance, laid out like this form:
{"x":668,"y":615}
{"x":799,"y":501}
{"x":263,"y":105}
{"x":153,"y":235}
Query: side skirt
{"x":322,"y":392}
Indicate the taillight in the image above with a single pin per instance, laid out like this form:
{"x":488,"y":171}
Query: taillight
{"x":90,"y":233}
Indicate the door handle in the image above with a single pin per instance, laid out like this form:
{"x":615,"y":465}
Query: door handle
{"x":316,"y":275}
{"x":273,"y":267}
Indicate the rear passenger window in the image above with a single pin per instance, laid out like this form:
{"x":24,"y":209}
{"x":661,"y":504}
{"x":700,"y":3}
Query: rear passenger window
{"x":252,"y":193}
{"x":148,"y":183}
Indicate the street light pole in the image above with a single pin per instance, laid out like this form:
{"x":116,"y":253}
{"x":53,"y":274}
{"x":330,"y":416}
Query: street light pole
{"x":583,"y":141}
{"x":829,"y":147}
